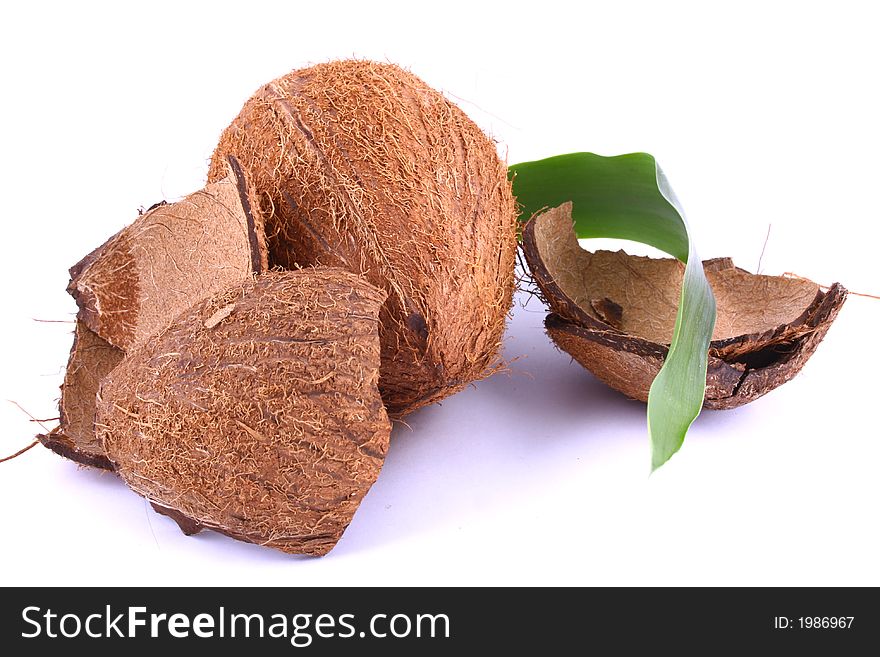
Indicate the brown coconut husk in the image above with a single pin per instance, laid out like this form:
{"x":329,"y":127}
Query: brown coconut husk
{"x":615,"y":314}
{"x":363,"y":166}
{"x":172,"y":256}
{"x":91,"y":359}
{"x":256,"y":413}
{"x":168,"y":258}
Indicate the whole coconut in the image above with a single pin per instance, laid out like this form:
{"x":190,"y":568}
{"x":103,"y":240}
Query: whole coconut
{"x":363,"y":166}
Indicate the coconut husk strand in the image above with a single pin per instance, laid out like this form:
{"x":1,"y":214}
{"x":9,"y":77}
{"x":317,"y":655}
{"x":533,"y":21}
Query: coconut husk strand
{"x":614,"y":313}
{"x":363,"y":166}
{"x":256,"y":413}
{"x":171,"y":256}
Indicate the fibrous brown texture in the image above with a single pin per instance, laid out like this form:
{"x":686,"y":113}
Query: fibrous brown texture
{"x":170,"y":257}
{"x":257,"y":413}
{"x":91,"y":359}
{"x":363,"y":166}
{"x":615,"y":314}
{"x":133,"y":285}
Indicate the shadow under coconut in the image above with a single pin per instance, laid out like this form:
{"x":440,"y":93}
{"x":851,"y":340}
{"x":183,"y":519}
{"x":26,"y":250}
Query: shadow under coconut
{"x":497,"y":442}
{"x":95,"y":487}
{"x":557,"y":398}
{"x":76,"y":475}
{"x":550,"y":390}
{"x":226,"y":547}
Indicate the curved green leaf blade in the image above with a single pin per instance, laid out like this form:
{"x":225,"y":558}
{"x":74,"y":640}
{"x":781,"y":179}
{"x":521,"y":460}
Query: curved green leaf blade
{"x":676,"y":395}
{"x":628,"y":197}
{"x":613,"y":197}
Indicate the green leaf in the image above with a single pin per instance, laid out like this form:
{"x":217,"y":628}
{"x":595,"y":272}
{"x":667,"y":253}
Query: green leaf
{"x":628,"y":197}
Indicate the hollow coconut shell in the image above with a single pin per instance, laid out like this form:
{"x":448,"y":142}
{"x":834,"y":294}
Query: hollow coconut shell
{"x":257,"y":412}
{"x":363,"y":166}
{"x":169,"y":258}
{"x":614,"y":313}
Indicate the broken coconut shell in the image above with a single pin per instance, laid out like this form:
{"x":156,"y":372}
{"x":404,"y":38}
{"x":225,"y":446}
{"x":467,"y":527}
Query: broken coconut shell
{"x":363,"y":166}
{"x":91,"y":359}
{"x":172,"y":256}
{"x":256,"y":413}
{"x":615,"y":314}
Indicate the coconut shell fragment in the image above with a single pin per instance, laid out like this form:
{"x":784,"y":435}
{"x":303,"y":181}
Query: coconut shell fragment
{"x":256,"y":413}
{"x":168,"y":258}
{"x":363,"y":166}
{"x":91,"y":359}
{"x":615,"y":314}
{"x":172,"y":256}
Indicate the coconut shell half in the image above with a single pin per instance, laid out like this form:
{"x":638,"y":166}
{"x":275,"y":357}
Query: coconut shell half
{"x":172,"y":256}
{"x":361,"y":165}
{"x":615,"y":314}
{"x":256,"y":413}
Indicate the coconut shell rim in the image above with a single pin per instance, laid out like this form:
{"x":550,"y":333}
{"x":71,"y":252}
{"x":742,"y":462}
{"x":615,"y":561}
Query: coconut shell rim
{"x":56,"y":441}
{"x":738,"y":371}
{"x":564,"y":307}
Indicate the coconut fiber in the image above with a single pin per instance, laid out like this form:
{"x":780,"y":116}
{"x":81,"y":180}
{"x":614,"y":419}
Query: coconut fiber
{"x":130,"y":287}
{"x":256,"y":413}
{"x":363,"y":166}
{"x":91,"y":359}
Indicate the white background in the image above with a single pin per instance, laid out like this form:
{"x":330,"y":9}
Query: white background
{"x":761,"y":113}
